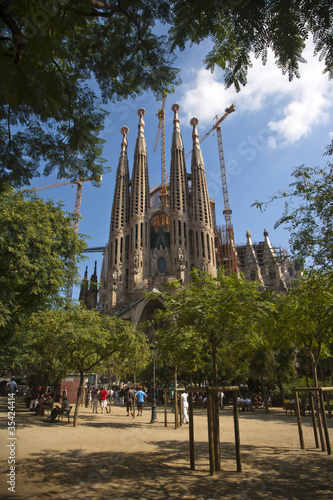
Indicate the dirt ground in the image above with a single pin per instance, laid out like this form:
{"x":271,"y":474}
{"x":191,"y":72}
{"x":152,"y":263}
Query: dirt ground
{"x":115,"y":456}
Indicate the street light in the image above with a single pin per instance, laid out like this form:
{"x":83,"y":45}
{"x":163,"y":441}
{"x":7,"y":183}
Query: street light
{"x":153,"y":349}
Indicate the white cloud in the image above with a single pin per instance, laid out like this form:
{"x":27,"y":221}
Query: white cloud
{"x":294,"y":108}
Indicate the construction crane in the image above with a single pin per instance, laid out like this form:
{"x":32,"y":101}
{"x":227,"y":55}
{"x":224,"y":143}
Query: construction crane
{"x":78,"y":196}
{"x":160,"y":113}
{"x":77,"y":207}
{"x":230,"y":257}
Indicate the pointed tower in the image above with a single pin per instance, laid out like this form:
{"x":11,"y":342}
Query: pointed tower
{"x":201,"y":242}
{"x":84,"y":288}
{"x":179,"y":203}
{"x":252,"y":267}
{"x":138,"y":217}
{"x":118,"y":240}
{"x":272,"y":272}
{"x":93,"y":289}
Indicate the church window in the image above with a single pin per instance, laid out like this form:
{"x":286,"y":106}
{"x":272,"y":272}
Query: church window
{"x":180,"y":232}
{"x":111,"y":248}
{"x":190,"y":238}
{"x":136,"y":236}
{"x":131,"y":239}
{"x":126,"y":247}
{"x":116,"y":251}
{"x":141,"y":235}
{"x":208,"y":247}
{"x":197,"y":242}
{"x":161,"y":265}
{"x":121,"y":250}
{"x":185,"y":235}
{"x":203,"y":244}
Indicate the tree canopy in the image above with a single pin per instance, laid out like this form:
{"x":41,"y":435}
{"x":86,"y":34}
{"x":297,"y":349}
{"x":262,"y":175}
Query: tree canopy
{"x":37,"y":249}
{"x":79,"y":340}
{"x":60,"y":61}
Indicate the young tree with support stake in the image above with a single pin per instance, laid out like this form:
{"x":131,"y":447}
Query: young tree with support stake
{"x":308,"y":317}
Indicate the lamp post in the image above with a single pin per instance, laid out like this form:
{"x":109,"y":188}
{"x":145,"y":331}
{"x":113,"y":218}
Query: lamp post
{"x":153,"y":350}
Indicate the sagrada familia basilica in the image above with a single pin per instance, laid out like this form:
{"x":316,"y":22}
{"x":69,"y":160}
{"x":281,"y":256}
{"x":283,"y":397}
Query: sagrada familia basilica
{"x":157,"y":236}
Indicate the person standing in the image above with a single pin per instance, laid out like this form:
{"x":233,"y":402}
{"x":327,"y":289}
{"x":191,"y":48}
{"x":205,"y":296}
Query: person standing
{"x":129,"y":401}
{"x":95,"y":399}
{"x":103,"y":398}
{"x":140,"y":396}
{"x":184,"y":397}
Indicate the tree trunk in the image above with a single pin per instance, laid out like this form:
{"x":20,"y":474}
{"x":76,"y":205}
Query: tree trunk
{"x":79,"y":392}
{"x":176,"y":399}
{"x":215,"y":369}
{"x":282,"y":393}
{"x":263,"y":386}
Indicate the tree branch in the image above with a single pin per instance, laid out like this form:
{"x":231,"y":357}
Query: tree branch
{"x":18,"y":40}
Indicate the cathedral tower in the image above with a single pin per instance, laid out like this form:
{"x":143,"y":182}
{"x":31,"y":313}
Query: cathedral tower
{"x":138,"y":218}
{"x":201,"y":241}
{"x":179,"y":203}
{"x":118,"y":240}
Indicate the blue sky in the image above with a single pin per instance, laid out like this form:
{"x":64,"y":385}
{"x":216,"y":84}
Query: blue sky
{"x":277,"y":126}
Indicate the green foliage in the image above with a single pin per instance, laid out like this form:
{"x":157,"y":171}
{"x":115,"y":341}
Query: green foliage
{"x":75,"y":340}
{"x":309,"y":317}
{"x":239,"y":29}
{"x":37,"y":249}
{"x":209,"y":317}
{"x":52,"y":54}
{"x":48,"y":53}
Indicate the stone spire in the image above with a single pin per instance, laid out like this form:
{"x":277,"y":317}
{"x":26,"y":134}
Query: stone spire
{"x":139,"y":202}
{"x":120,"y":206}
{"x":139,"y":236}
{"x":201,"y":212}
{"x":179,"y":197}
{"x":252,"y":266}
{"x":179,"y":202}
{"x":202,"y":221}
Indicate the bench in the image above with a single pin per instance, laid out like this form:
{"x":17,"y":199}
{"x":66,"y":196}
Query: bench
{"x":245,"y":406}
{"x":292,"y":408}
{"x":66,"y":413}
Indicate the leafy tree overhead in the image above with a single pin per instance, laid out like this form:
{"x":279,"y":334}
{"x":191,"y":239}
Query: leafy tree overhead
{"x":50,"y":50}
{"x":37,"y":245}
{"x":239,"y":29}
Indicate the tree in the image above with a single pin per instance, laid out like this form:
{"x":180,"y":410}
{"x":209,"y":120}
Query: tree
{"x":82,"y":339}
{"x":50,"y":50}
{"x":239,"y":29}
{"x":221,"y":310}
{"x":309,"y":317}
{"x":48,"y":53}
{"x":37,"y":249}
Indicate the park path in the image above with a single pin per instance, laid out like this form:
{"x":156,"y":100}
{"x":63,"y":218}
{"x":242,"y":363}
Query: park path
{"x":115,"y":456}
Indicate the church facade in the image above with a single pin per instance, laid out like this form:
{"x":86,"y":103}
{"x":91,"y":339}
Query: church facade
{"x":157,"y":235}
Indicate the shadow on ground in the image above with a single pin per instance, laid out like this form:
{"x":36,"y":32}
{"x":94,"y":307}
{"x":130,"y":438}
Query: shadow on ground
{"x":164,"y":473}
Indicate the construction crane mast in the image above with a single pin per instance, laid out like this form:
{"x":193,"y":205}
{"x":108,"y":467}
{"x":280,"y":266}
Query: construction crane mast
{"x":78,"y":196}
{"x":230,"y":247}
{"x":160,"y":113}
{"x":77,"y":208}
